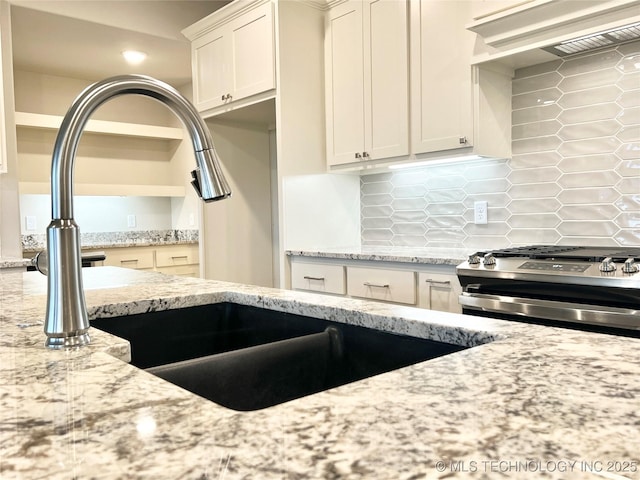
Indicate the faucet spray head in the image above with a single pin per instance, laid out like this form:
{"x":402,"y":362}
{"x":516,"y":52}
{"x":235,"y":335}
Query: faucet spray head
{"x":208,"y":179}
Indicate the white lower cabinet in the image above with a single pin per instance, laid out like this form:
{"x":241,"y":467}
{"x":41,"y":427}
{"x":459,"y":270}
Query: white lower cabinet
{"x":433,"y":287}
{"x":318,"y":277}
{"x":134,"y":257}
{"x":439,"y":291}
{"x":396,"y":286}
{"x":182,"y":260}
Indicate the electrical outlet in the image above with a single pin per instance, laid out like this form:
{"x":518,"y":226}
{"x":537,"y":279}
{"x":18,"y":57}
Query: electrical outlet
{"x":131,"y":221}
{"x":480,"y":212}
{"x":30,"y":222}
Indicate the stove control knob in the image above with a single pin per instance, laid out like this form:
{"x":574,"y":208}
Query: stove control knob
{"x":607,"y":265}
{"x":489,"y":259}
{"x":474,"y":259}
{"x":630,"y":266}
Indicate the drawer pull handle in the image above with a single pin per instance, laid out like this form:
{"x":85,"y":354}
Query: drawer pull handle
{"x":133,"y":260}
{"x":178,"y":256}
{"x":367,"y":284}
{"x":317,"y":279}
{"x":438,"y":282}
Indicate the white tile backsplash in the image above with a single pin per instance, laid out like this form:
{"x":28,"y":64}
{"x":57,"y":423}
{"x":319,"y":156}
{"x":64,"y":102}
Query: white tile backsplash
{"x":574,"y":177}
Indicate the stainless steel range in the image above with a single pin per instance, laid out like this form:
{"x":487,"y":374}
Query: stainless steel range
{"x":590,"y":288}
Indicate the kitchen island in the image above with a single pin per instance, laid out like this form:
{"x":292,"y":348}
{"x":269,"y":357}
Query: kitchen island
{"x":524,"y":402}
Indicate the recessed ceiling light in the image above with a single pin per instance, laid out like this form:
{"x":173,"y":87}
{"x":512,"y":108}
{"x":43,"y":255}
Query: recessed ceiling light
{"x":134,"y":57}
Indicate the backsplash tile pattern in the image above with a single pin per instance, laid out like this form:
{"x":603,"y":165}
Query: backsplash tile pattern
{"x":574,"y":177}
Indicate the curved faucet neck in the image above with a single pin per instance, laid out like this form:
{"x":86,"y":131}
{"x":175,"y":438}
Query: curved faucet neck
{"x":66,"y":323}
{"x":86,"y":103}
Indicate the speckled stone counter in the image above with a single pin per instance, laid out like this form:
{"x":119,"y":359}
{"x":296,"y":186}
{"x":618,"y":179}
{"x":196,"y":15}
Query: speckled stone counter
{"x":21,"y":263}
{"x":525,"y":402}
{"x":143,"y":238}
{"x":432,"y":256}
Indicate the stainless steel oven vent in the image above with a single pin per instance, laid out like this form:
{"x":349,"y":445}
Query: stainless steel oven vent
{"x":594,"y":41}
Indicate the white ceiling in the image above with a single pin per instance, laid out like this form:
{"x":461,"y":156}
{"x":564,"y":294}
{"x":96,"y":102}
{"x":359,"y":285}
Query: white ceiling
{"x":84,"y":38}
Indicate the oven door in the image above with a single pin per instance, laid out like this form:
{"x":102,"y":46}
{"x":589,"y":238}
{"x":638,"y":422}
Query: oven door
{"x":564,"y":308}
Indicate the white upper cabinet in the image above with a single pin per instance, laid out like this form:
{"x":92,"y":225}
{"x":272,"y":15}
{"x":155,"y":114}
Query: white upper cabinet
{"x":233,"y":54}
{"x":441,"y":48}
{"x":366,"y":58}
{"x":456,"y":107}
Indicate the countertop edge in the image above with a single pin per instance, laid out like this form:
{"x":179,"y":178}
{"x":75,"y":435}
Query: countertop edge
{"x":422,"y":256}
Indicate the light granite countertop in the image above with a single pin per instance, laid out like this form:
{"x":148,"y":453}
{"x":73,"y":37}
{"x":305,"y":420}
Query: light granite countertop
{"x":431,"y":255}
{"x":7,"y":262}
{"x":525,"y":402}
{"x":140,"y":238}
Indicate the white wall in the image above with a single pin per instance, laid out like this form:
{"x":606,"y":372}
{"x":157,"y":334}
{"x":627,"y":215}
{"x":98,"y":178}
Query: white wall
{"x":321,"y":211}
{"x":101,"y":214}
{"x":237,"y":239}
{"x":10,"y":245}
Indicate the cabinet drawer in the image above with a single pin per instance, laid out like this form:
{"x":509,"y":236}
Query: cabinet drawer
{"x":381,"y":284}
{"x":181,"y":271}
{"x":174,"y":256}
{"x":318,"y":277}
{"x":129,"y":258}
{"x":437,"y":291}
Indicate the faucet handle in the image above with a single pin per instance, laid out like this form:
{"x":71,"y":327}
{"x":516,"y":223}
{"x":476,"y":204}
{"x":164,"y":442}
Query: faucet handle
{"x":40,"y":261}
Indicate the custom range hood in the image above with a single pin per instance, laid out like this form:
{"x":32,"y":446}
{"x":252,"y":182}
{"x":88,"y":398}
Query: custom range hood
{"x":537,"y":31}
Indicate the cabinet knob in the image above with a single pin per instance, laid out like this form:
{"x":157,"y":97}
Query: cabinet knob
{"x":463,"y":140}
{"x":630,"y":266}
{"x":365,"y":154}
{"x":607,"y":265}
{"x":358,"y":155}
{"x":226,"y":96}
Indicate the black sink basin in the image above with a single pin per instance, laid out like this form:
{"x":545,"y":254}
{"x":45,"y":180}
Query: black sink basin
{"x":247,"y":358}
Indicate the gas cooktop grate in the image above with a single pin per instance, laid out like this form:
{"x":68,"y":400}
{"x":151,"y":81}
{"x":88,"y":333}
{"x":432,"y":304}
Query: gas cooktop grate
{"x":575,"y":253}
{"x":532,"y":251}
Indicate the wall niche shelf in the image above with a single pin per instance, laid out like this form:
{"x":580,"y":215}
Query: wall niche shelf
{"x":107,"y":190}
{"x":53,"y":122}
{"x":32,"y":183}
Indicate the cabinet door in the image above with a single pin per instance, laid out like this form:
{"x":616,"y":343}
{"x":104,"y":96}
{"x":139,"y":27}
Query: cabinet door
{"x":386,"y":87}
{"x":367,"y":81}
{"x":235,"y":60}
{"x":211,"y":69}
{"x":252,"y":53}
{"x":438,"y":291}
{"x":345,"y":84}
{"x":441,"y":92}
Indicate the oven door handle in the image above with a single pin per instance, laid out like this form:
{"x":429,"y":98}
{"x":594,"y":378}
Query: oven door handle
{"x":552,"y":310}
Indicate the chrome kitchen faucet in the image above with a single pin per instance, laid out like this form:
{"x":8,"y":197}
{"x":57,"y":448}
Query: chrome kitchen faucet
{"x":67,"y":323}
